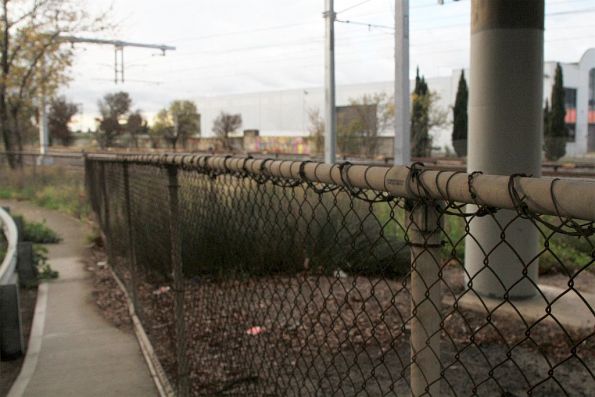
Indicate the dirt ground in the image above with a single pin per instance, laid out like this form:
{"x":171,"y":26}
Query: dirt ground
{"x":9,"y":370}
{"x":321,"y":336}
{"x":107,"y":295}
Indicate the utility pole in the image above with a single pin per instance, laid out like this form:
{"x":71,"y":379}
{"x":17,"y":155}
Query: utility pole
{"x":44,"y":136}
{"x":176,"y":130}
{"x":118,"y":50}
{"x":330,"y":130}
{"x":402,"y":150}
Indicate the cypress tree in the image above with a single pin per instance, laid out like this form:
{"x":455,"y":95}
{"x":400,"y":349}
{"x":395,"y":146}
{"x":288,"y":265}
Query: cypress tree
{"x":546,"y":118}
{"x":555,"y":131}
{"x":460,"y":118}
{"x":421,"y":142}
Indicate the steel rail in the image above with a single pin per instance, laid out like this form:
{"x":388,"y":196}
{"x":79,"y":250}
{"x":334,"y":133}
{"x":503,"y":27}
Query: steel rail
{"x":572,"y":198}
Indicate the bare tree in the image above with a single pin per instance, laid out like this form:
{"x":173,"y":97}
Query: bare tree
{"x":224,"y":125}
{"x":360,"y":124}
{"x":316,"y":129}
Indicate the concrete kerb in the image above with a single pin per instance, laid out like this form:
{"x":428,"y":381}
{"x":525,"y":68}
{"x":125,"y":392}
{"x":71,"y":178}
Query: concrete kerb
{"x":158,"y":375}
{"x":34,"y":347}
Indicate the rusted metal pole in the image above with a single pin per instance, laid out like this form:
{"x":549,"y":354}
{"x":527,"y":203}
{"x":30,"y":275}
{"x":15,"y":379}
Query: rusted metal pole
{"x":178,"y":276}
{"x":424,"y":239}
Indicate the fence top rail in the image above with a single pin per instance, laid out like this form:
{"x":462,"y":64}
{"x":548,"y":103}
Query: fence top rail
{"x":572,"y":198}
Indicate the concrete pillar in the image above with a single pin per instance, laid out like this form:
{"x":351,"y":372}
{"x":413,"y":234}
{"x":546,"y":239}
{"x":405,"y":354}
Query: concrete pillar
{"x":505,"y":128}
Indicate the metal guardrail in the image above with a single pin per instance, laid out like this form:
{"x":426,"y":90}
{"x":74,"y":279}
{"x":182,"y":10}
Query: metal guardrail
{"x":8,"y":266}
{"x":12,"y":344}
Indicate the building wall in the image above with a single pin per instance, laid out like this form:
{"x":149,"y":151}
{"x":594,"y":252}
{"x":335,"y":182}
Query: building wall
{"x":285,"y":113}
{"x":576,"y":75}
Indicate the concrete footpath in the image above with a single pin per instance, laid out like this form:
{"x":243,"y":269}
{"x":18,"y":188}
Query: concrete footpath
{"x":73,"y":350}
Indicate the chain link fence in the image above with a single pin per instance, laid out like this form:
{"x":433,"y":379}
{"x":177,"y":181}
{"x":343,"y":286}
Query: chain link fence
{"x":261,"y":277}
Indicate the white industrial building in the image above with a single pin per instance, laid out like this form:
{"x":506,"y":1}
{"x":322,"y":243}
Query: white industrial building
{"x":285,"y":113}
{"x":579,"y":83}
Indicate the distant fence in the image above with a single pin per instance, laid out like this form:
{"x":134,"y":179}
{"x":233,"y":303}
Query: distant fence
{"x":272,"y":277}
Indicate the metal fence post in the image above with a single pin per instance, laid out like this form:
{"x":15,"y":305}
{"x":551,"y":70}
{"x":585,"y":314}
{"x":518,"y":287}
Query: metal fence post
{"x":131,"y":249}
{"x":178,"y":275}
{"x":106,"y":213}
{"x":424,"y":239}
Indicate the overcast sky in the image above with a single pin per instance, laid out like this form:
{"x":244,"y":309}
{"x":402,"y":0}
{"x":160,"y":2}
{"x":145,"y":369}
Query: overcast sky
{"x":233,"y":46}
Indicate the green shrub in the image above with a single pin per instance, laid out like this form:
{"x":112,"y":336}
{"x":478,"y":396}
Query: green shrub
{"x":562,"y":256}
{"x":38,"y":232}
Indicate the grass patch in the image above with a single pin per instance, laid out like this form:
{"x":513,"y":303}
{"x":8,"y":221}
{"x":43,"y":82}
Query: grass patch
{"x":559,"y":252}
{"x":52,"y":187}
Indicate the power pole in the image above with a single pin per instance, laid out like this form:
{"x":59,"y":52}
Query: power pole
{"x":402,"y":142}
{"x":118,"y":50}
{"x":176,"y":130}
{"x":43,"y":115}
{"x":330,"y":130}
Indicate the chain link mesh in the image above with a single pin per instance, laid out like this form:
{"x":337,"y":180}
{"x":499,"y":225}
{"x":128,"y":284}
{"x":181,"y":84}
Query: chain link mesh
{"x":293,"y":287}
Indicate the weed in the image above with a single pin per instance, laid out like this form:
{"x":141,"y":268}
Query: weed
{"x":40,"y":258}
{"x":94,"y":237}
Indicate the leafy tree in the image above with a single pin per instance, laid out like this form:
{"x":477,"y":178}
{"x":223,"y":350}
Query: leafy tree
{"x":114,"y":110}
{"x":32,"y":59}
{"x":224,"y":125}
{"x":136,"y":125}
{"x":555,"y":130}
{"x":460,"y":118}
{"x":178,"y":122}
{"x":60,"y":114}
{"x":162,"y":127}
